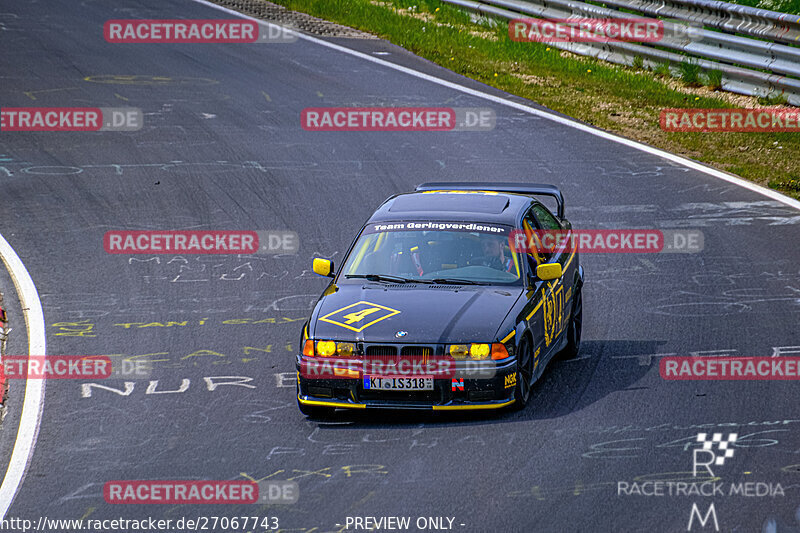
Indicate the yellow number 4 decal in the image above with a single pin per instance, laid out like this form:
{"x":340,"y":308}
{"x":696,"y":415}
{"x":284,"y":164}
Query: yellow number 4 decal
{"x":358,"y":316}
{"x":352,"y":316}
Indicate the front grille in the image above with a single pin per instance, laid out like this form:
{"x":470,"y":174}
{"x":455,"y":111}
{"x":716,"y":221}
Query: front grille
{"x":405,"y":350}
{"x":381,"y":351}
{"x":393,"y":352}
{"x":425,"y":351}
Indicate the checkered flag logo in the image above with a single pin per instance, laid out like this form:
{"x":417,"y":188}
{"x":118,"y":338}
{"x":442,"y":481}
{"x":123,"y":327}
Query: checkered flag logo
{"x":723,"y":450}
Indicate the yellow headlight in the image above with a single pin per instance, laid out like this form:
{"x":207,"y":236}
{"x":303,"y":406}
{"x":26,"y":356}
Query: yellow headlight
{"x":326,"y":348}
{"x":479,"y":351}
{"x":345,"y":348}
{"x":459,"y":351}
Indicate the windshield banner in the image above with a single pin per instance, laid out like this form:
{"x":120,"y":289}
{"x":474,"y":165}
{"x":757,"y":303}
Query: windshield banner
{"x":470,"y":227}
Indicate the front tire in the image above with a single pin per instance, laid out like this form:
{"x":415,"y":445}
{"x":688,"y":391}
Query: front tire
{"x":522,"y":391}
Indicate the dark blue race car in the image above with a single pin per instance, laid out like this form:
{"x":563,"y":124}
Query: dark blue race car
{"x":434,"y":278}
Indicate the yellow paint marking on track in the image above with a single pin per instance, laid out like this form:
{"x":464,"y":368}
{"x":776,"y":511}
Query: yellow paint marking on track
{"x":30,"y":94}
{"x":248,"y":476}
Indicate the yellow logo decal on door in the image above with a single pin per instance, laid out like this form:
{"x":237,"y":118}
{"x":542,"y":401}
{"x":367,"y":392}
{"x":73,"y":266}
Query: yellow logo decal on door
{"x":553,"y":313}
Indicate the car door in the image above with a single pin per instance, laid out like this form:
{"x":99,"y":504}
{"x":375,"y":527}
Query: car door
{"x":556,"y":306}
{"x":536,"y":294}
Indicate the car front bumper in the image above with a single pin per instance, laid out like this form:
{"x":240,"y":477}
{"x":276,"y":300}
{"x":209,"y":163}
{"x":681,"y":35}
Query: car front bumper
{"x":448,"y":394}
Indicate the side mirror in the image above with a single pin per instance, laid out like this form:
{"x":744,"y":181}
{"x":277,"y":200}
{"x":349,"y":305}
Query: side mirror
{"x":324,"y":267}
{"x":549,"y":271}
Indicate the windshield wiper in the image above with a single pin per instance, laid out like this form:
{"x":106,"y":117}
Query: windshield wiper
{"x":386,"y":277}
{"x":445,"y":281}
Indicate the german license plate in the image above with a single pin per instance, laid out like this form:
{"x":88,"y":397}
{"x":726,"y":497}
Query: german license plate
{"x":398,"y":383}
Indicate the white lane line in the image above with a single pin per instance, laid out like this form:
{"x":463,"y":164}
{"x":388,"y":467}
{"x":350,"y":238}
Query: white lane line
{"x":694,"y":165}
{"x":33,"y":401}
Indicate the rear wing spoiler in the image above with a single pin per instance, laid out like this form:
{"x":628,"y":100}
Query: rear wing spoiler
{"x":519,"y":188}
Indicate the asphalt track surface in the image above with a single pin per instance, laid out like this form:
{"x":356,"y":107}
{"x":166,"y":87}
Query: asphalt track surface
{"x":222,"y":148}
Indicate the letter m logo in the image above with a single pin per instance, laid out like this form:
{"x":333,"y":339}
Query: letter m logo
{"x":710,"y":513}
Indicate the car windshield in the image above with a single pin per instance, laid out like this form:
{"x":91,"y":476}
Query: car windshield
{"x":437,"y":252}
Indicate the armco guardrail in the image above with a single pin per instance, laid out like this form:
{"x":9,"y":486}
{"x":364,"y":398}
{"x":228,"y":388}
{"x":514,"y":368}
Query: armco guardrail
{"x":748,"y":65}
{"x":732,"y":18}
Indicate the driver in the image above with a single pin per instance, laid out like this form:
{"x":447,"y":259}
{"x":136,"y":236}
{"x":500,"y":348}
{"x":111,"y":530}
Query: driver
{"x":494,"y":254}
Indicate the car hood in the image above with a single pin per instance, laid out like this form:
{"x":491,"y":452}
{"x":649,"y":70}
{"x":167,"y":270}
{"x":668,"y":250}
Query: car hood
{"x":373,"y":312}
